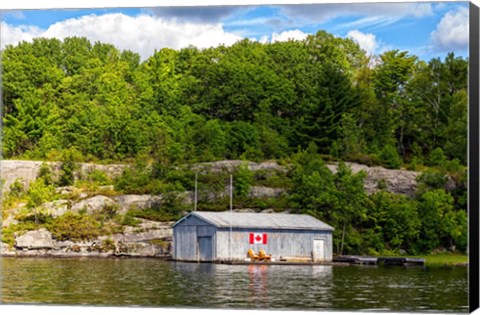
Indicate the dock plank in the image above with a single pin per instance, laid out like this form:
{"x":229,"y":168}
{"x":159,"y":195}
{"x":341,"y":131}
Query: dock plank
{"x":387,"y":261}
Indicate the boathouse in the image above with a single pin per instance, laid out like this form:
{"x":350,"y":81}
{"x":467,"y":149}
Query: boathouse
{"x":228,"y":236}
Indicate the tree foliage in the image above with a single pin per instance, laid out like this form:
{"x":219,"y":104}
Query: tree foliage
{"x":78,"y":101}
{"x":253,"y":100}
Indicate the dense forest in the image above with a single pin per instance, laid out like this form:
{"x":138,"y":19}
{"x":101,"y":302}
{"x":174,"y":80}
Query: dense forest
{"x":301,"y":102}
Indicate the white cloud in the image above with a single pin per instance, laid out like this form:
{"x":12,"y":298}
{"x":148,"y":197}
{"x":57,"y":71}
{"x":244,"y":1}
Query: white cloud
{"x":319,"y":13}
{"x":12,"y":35}
{"x":142,"y":34}
{"x":263,"y":40}
{"x":370,"y":21}
{"x":367,"y":42}
{"x":289,"y":35}
{"x":452,"y":32}
{"x":16,"y":14}
{"x":200,"y":14}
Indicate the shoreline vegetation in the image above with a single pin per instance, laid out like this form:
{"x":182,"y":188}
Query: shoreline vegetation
{"x":445,"y":260}
{"x":93,"y":215}
{"x":439,"y":260}
{"x":298,"y":105}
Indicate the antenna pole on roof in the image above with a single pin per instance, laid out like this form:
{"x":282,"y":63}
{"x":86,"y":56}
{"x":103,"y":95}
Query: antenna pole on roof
{"x":231,"y":192}
{"x":195,"y":195}
{"x":231,"y":211}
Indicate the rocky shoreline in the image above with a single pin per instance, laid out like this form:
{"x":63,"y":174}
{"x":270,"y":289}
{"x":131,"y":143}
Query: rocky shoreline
{"x":396,"y":181}
{"x":148,"y":239}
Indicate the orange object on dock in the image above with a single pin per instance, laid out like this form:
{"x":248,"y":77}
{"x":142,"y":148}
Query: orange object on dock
{"x":252,"y":255}
{"x":263,"y":256}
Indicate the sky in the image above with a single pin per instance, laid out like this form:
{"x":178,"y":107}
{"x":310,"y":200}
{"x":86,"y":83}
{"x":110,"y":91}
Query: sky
{"x":425,"y":29}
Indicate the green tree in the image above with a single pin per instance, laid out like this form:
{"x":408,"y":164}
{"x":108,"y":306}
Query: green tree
{"x":437,"y":224}
{"x":338,"y":199}
{"x":390,"y":78}
{"x":38,"y":193}
{"x":396,"y":221}
{"x":243,"y":178}
{"x":68,"y":167}
{"x":351,"y":140}
{"x":351,"y":204}
{"x":75,"y":53}
{"x":390,"y":157}
{"x":210,"y":140}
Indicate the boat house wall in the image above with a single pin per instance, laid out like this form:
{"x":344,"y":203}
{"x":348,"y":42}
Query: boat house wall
{"x":281,"y":243}
{"x":195,"y":239}
{"x":186,"y":238}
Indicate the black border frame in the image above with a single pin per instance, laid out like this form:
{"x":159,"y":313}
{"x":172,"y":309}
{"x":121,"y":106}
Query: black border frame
{"x":473,"y":158}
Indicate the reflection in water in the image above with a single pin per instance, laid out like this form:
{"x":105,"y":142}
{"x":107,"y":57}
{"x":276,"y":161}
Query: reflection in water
{"x":151,"y":282}
{"x":258,"y":287}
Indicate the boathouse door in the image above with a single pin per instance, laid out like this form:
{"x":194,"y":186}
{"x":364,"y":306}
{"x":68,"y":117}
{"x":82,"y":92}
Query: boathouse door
{"x":205,"y":248}
{"x":318,"y":250}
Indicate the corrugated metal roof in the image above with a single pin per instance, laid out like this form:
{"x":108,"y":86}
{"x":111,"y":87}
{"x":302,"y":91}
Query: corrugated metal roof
{"x":261,"y":220}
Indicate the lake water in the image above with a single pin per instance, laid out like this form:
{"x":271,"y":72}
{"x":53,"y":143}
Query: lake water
{"x":152,"y":282}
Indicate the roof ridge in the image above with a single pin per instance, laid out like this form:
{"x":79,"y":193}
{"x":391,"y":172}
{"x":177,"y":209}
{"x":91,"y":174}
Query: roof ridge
{"x":284,"y":221}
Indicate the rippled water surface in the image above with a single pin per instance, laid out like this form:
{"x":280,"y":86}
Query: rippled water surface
{"x":151,"y":282}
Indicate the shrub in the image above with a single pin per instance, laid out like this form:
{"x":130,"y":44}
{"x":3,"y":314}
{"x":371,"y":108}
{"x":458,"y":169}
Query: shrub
{"x":46,"y":174}
{"x":243,"y":180}
{"x":365,"y":159}
{"x":212,"y":183}
{"x":39,"y":216}
{"x":129,"y":218}
{"x":215,"y":206}
{"x":430,"y":180}
{"x":39,"y":192}
{"x":382,"y":184}
{"x":149,"y":214}
{"x":8,"y":233}
{"x":75,"y":227}
{"x":16,"y":188}
{"x":181,"y":177}
{"x":334,"y":150}
{"x":99,"y":177}
{"x":131,"y":181}
{"x":273,"y":179}
{"x":414,"y":164}
{"x":80,"y":227}
{"x":453,"y":166}
{"x":68,"y":167}
{"x":109,"y":211}
{"x":15,"y":195}
{"x":390,"y":157}
{"x":437,"y":158}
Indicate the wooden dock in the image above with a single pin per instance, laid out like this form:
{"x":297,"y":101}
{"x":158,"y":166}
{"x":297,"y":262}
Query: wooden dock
{"x":401,"y":261}
{"x":356,"y":260}
{"x":278,"y":262}
{"x":339,"y":260}
{"x":385,"y":261}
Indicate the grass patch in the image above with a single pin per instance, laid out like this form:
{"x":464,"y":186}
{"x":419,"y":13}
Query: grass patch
{"x":444,"y":259}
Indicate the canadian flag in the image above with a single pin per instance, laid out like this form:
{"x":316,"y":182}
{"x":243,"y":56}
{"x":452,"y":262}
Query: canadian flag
{"x":258,"y":238}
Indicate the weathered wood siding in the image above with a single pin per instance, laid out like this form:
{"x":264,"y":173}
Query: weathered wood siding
{"x":287,"y":243}
{"x":188,"y":235}
{"x":191,"y":239}
{"x":185,"y":243}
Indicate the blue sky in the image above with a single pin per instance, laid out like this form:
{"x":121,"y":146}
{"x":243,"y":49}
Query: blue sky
{"x":425,"y":29}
